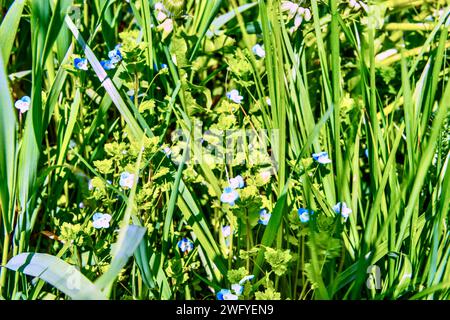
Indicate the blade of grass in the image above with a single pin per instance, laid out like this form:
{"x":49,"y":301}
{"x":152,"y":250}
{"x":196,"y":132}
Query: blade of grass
{"x":9,"y":28}
{"x":58,"y":273}
{"x":8,"y":166}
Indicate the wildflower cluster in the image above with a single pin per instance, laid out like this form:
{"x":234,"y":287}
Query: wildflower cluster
{"x":163,"y":16}
{"x":296,"y":13}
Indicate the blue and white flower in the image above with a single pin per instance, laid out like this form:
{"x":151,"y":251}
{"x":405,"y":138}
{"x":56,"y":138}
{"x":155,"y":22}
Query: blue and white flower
{"x":342,"y":209}
{"x":101,"y":220}
{"x":229,"y":196}
{"x":237,"y":182}
{"x":321,"y":157}
{"x":304,"y":214}
{"x":80,"y":63}
{"x":235,"y":96}
{"x":264,"y":217}
{"x":107,"y":65}
{"x":127,"y":180}
{"x":185,"y":245}
{"x":115,"y":56}
{"x":226,"y":294}
{"x":23,"y":104}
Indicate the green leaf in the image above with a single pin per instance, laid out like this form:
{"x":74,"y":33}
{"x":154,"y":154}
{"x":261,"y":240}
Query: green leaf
{"x":404,"y":276}
{"x":8,"y":147}
{"x":220,"y":21}
{"x":8,"y":29}
{"x":122,"y":252}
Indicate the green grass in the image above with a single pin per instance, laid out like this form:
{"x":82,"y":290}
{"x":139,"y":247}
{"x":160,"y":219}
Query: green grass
{"x":369,"y":86}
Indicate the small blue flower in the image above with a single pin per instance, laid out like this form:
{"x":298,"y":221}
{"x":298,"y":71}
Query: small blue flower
{"x":107,"y":64}
{"x":237,"y":182}
{"x":114,"y":55}
{"x":304,"y":214}
{"x":234,"y":96}
{"x":23,"y":104}
{"x":229,"y":196}
{"x":264,"y":217}
{"x":341,"y":208}
{"x":127,"y":180}
{"x":226,"y":294}
{"x":101,"y":221}
{"x":185,"y":245}
{"x":80,"y":63}
{"x":321,"y":157}
{"x":366,"y":152}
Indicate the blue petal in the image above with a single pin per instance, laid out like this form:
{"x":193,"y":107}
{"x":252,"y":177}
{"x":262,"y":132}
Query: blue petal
{"x":26,"y":99}
{"x":115,"y":56}
{"x":97,"y":216}
{"x":107,"y":65}
{"x":227,"y":190}
{"x":221,"y":293}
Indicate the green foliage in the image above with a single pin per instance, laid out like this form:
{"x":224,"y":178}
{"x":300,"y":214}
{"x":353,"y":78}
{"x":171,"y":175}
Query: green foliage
{"x":150,"y":146}
{"x":278,"y":260}
{"x":234,"y":276}
{"x":268,"y":294}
